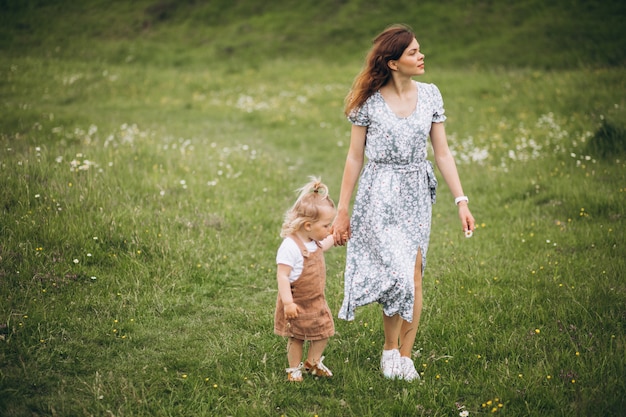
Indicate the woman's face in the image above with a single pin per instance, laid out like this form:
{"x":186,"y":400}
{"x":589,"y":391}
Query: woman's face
{"x":412,"y":60}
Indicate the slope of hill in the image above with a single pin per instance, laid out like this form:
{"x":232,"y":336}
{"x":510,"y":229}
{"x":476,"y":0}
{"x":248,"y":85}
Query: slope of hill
{"x":548,"y":35}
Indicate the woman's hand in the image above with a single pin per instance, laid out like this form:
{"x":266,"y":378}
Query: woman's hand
{"x":341,"y":228}
{"x":467,"y":220}
{"x":291,"y":311}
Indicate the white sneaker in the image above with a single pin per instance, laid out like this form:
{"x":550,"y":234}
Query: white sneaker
{"x":390,"y":364}
{"x":407,"y":369}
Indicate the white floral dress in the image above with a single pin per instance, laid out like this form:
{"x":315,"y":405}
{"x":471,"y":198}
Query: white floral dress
{"x":392,"y":212}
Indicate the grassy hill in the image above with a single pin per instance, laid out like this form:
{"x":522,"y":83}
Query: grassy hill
{"x":148,"y":150}
{"x":533,"y":33}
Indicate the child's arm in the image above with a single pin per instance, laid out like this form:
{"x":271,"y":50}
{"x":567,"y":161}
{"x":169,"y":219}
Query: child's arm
{"x":328,"y":243}
{"x":284,"y":290}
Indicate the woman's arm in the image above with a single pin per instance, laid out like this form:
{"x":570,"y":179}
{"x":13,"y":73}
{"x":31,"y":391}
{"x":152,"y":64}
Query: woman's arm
{"x":351,"y":172}
{"x":284,"y":290}
{"x":447,"y":167}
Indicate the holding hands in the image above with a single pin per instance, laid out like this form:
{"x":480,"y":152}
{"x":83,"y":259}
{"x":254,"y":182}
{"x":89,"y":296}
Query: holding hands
{"x":341,"y":228}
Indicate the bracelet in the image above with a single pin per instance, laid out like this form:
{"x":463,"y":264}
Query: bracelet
{"x":461,"y":198}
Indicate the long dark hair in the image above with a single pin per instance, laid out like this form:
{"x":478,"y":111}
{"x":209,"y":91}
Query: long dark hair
{"x":389,"y":45}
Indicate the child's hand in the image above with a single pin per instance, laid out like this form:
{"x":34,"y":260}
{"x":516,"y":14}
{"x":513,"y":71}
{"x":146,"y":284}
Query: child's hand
{"x":291,"y":311}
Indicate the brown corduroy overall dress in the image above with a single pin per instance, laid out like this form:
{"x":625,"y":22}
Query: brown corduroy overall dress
{"x":314,"y":321}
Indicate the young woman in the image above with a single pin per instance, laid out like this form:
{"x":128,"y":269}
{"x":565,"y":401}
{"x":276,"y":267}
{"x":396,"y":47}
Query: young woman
{"x":301,"y":309}
{"x":392,"y":117}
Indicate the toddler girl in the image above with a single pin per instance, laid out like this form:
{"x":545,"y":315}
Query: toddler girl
{"x":301,"y":309}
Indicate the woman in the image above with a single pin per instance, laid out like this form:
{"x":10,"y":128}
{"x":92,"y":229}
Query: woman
{"x":392,"y":116}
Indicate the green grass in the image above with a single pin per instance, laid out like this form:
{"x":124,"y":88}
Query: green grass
{"x":143,"y":180}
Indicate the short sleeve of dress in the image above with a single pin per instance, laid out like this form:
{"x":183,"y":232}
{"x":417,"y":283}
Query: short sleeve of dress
{"x":360,"y":116}
{"x":437,"y":101}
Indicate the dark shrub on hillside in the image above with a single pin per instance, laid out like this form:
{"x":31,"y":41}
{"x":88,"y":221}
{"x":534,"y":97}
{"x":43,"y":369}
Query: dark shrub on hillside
{"x":608,"y":141}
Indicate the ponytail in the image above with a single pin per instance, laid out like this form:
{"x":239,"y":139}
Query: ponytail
{"x":312,"y":196}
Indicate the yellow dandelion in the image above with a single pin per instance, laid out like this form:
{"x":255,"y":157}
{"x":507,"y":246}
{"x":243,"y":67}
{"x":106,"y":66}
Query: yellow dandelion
{"x":537,"y":331}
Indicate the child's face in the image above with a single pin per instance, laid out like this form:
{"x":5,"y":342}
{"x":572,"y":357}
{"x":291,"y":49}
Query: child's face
{"x":320,"y":229}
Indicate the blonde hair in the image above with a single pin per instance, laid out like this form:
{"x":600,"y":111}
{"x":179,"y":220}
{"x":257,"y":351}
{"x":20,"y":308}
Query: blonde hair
{"x":312,"y":197}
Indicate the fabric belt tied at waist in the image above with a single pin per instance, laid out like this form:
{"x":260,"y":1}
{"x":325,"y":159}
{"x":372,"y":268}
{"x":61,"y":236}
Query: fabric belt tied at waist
{"x":422,"y":166}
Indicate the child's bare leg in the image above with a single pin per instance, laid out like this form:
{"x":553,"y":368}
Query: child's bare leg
{"x":294,"y":352}
{"x":316,"y":349}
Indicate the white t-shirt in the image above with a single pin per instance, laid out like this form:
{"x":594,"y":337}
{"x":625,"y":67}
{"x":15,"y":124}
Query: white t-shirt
{"x":289,"y":254}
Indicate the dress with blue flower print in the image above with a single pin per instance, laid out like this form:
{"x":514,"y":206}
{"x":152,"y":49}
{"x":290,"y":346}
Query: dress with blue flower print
{"x":392,"y":211}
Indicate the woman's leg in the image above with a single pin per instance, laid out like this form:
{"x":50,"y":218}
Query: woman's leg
{"x":408,"y":331}
{"x":294,"y":352}
{"x":392,"y":327}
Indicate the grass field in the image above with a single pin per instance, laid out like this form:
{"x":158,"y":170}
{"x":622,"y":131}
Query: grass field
{"x":146,"y":162}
